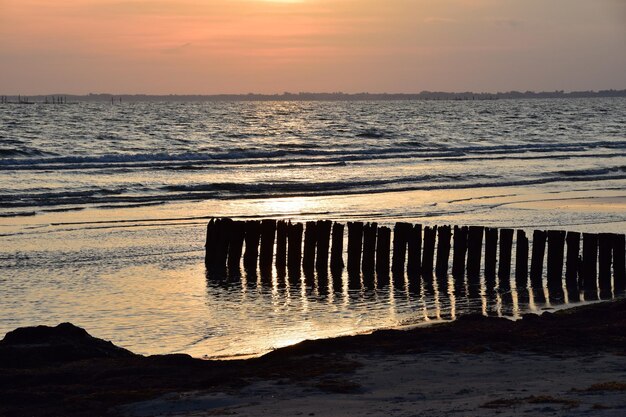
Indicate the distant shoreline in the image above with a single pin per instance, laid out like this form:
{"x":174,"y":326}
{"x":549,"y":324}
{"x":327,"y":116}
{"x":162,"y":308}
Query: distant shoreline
{"x":305,"y":96}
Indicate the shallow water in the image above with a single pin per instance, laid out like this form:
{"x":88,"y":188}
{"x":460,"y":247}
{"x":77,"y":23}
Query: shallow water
{"x":118,"y":198}
{"x":98,"y":154}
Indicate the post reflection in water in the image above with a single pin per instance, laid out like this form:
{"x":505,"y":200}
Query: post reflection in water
{"x":375,"y":301}
{"x":392,"y":306}
{"x":483,"y":302}
{"x":373,"y":293}
{"x":515,"y":299}
{"x":452,"y":296}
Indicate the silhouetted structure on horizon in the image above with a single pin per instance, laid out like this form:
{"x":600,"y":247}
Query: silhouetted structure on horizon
{"x":334,"y":96}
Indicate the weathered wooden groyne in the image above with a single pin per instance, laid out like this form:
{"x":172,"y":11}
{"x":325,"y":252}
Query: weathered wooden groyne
{"x":480,"y":256}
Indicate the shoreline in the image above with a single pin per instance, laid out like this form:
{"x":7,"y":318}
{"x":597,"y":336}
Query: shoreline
{"x":63,"y":269}
{"x":443,"y":207}
{"x":79,"y":375}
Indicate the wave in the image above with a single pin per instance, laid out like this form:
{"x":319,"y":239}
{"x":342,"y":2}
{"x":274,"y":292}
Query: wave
{"x":597,"y":171}
{"x":297,"y":145}
{"x":18,"y":214}
{"x":230,"y":190}
{"x":372,"y":133}
{"x":28,"y":152}
{"x":215,"y":159}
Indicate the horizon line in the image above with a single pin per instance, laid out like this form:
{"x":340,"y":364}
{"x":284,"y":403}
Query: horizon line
{"x":289,"y":93}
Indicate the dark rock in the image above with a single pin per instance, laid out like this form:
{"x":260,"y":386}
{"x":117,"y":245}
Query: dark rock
{"x":173,"y":359}
{"x":530,"y":318}
{"x":473,"y":317}
{"x":43,"y":345}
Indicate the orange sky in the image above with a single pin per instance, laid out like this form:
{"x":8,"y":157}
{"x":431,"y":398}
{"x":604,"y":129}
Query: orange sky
{"x":268,"y":46}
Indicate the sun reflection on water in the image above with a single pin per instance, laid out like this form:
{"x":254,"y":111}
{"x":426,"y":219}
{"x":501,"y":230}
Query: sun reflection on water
{"x":293,"y":207}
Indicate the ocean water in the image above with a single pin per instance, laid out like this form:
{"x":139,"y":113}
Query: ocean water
{"x":103,"y":207}
{"x":103,"y":155}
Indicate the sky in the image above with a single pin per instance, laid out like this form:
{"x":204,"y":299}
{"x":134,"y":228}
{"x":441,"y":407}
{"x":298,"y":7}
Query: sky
{"x":272,"y":46}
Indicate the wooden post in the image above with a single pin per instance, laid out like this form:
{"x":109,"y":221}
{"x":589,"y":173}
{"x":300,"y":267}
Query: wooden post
{"x":459,"y":258}
{"x":443,"y":253}
{"x":323,"y":243}
{"x":322,"y":279}
{"x":556,"y":249}
{"x":294,"y":248}
{"x":281,"y":245}
{"x":400,"y":240}
{"x":428,"y":254}
{"x":253,"y":235}
{"x":268,"y":234}
{"x":355,"y":245}
{"x":209,"y":254}
{"x":521,"y":261}
{"x":369,"y":248}
{"x":222,"y":237}
{"x":536,"y":263}
{"x":309,"y":276}
{"x":474,"y":253}
{"x":336,"y":257}
{"x":605,"y":246}
{"x":310,"y":238}
{"x":368,"y":260}
{"x":337,"y":275}
{"x":571,"y":266}
{"x":414,"y":261}
{"x":590,"y":261}
{"x":460,"y":252}
{"x":619,"y":263}
{"x":235,"y":247}
{"x":382,"y":255}
{"x":491,"y":250}
{"x":504,"y":266}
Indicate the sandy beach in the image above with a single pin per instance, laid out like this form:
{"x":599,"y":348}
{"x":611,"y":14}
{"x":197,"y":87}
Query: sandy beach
{"x":572,"y":362}
{"x":428,"y":384}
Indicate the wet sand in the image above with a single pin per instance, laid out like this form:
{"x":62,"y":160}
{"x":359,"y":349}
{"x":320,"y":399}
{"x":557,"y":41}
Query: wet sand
{"x":428,"y":384}
{"x":588,"y":203}
{"x":61,"y":269}
{"x":572,"y":362}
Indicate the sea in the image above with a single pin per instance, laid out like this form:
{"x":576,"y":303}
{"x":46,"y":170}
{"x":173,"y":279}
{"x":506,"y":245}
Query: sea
{"x":104,"y":206}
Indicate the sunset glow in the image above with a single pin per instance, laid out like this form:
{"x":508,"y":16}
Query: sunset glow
{"x":238,"y":46}
{"x":312,"y":207}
